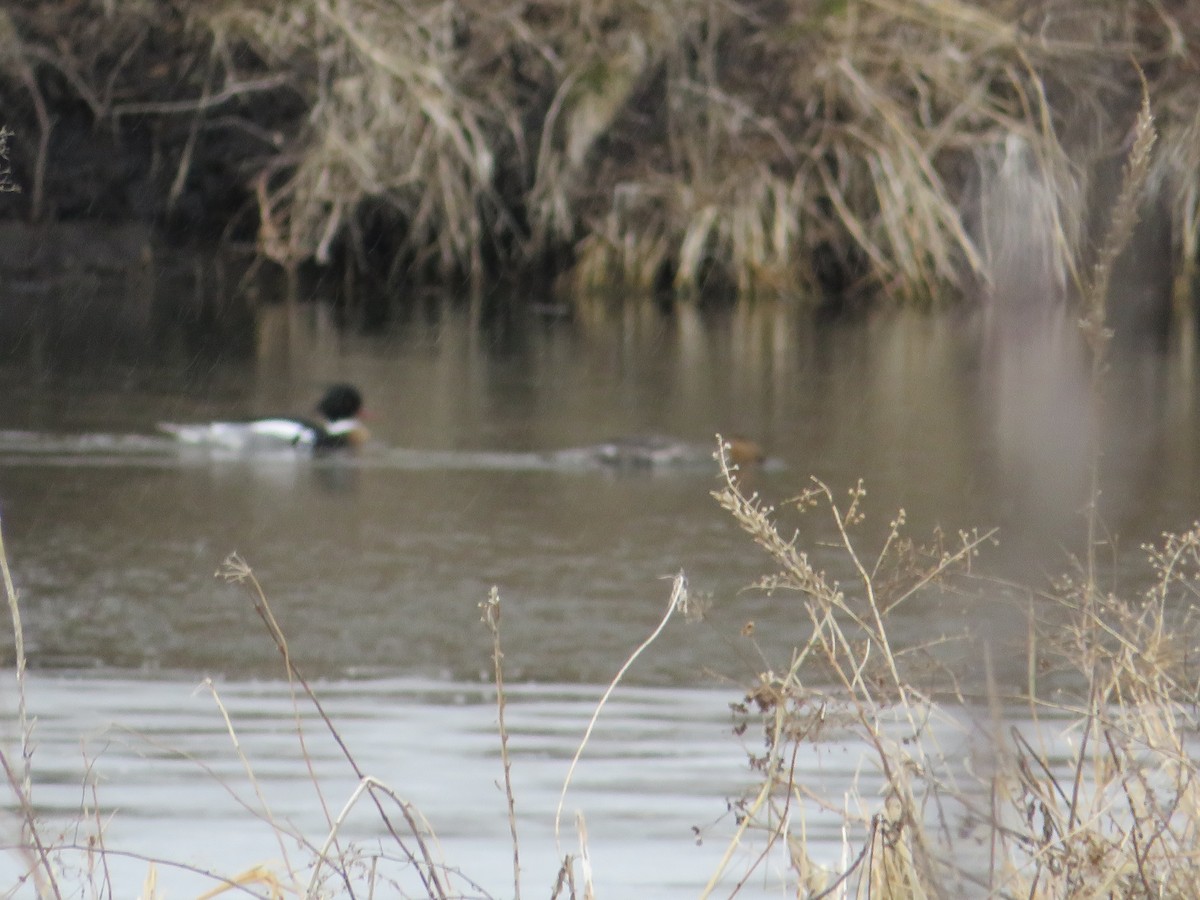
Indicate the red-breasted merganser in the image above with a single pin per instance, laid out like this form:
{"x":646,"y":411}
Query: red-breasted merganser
{"x":336,"y":428}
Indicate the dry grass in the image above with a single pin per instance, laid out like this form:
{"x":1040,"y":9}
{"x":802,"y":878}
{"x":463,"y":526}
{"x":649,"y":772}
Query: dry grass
{"x":1086,"y":786}
{"x":330,"y":866}
{"x":491,"y":617}
{"x":849,"y":674}
{"x":710,"y":148}
{"x":1091,"y":791}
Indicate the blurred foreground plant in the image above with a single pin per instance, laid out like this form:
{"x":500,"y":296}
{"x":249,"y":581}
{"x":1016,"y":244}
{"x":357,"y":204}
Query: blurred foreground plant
{"x":1087,"y":787}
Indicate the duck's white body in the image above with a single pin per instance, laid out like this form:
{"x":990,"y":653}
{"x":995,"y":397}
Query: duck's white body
{"x":338,"y":427}
{"x":263,"y":434}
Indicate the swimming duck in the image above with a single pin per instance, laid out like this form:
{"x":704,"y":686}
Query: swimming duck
{"x":657,"y":452}
{"x":336,"y":427}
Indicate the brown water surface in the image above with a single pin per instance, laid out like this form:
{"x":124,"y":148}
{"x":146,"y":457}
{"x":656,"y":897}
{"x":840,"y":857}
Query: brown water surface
{"x":375,"y":565}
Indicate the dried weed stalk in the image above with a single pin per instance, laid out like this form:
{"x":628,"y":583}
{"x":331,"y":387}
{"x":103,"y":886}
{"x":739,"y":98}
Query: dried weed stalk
{"x":422,"y":859}
{"x":491,"y":617}
{"x":1112,"y":808}
{"x":848,"y":673}
{"x":20,"y":781}
{"x":1094,"y":791}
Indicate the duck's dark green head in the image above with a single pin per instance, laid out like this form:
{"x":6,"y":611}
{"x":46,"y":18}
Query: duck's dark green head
{"x":341,"y":401}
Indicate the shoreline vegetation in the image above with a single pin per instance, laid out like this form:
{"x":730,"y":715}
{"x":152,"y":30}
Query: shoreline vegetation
{"x":835,"y":151}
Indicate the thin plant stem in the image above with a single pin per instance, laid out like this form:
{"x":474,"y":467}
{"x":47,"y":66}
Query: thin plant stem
{"x":14,"y":609}
{"x":1123,"y":217}
{"x":23,"y":785}
{"x":236,"y":570}
{"x":679,"y":599}
{"x":249,"y":769}
{"x":491,"y":616}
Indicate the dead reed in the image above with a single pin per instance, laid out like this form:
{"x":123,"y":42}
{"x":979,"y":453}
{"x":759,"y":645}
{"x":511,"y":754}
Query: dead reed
{"x":329,"y":867}
{"x":705,"y":148}
{"x":20,"y":781}
{"x":491,"y":617}
{"x":849,"y":674}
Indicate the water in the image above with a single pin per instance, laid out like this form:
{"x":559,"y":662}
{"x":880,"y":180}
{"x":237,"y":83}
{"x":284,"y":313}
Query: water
{"x":375,"y":566}
{"x":166,"y":771}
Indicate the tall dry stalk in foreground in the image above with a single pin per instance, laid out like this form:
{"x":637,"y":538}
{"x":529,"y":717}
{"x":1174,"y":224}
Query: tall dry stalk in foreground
{"x":1122,"y":218}
{"x":677,"y":602}
{"x":1112,"y":808}
{"x":21,"y":783}
{"x":848,"y":673}
{"x":1092,"y":790}
{"x":421,"y":859}
{"x":491,"y":617}
{"x":1123,"y":818}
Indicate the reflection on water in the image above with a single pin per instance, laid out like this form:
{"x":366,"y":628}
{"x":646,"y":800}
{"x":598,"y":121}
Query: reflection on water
{"x":375,"y":565}
{"x":476,"y":478}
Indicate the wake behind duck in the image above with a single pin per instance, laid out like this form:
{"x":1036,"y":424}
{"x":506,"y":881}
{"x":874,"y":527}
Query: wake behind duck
{"x":336,"y":428}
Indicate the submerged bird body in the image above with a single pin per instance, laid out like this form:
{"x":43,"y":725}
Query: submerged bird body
{"x":661,"y":453}
{"x":336,"y":427}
